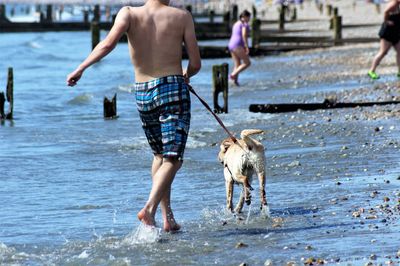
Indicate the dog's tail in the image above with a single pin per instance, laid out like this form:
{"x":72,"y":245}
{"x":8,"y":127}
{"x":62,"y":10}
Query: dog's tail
{"x":247,"y":132}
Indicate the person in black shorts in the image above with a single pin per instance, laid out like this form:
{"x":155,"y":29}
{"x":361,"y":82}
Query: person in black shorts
{"x":389,"y":35}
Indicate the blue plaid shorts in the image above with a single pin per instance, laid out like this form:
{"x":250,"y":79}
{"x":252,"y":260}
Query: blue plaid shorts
{"x":164,"y":109}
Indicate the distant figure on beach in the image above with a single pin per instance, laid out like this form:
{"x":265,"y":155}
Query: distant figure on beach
{"x":155,"y":33}
{"x":238,"y":46}
{"x":389,"y":35}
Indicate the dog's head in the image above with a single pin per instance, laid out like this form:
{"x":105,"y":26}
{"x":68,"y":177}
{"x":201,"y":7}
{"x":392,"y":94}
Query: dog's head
{"x":225,"y":144}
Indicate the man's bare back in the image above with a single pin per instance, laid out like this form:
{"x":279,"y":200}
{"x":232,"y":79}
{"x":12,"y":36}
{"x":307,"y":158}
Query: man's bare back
{"x":156,"y":33}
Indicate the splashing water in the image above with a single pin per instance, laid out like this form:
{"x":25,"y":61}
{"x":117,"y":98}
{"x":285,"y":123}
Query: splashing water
{"x":144,"y":234}
{"x":265,"y":212}
{"x":248,"y":215}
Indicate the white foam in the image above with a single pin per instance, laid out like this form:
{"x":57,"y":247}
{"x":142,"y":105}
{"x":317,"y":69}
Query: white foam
{"x":144,"y":234}
{"x":265,"y":213}
{"x":126,"y":88}
{"x":4,"y":250}
{"x":248,"y":215}
{"x":84,"y":255}
{"x":81,"y":99}
{"x":34,"y":44}
{"x":192,"y":143}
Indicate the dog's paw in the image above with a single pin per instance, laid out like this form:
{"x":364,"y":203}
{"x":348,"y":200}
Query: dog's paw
{"x":248,"y":200}
{"x":265,"y":211}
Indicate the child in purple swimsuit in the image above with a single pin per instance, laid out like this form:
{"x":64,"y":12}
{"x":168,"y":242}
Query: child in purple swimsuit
{"x":238,"y":46}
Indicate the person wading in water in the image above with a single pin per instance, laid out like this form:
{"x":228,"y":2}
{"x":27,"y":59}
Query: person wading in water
{"x":155,"y":33}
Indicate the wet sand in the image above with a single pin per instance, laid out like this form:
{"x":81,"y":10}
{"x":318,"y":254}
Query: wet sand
{"x":347,"y":159}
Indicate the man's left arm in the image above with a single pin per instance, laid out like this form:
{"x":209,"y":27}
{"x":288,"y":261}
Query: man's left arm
{"x":121,"y":25}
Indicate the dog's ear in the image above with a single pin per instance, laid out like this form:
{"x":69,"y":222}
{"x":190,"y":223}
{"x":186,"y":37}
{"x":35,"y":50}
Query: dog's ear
{"x":226,"y":144}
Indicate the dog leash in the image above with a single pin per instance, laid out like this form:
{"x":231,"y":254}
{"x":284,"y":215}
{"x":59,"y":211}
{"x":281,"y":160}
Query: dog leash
{"x":215,"y":116}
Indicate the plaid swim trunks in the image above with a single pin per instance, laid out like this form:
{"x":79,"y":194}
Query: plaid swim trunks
{"x":164,"y":109}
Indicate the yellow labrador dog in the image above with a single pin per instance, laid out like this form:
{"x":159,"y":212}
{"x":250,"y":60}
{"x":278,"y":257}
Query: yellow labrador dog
{"x":241,"y":160}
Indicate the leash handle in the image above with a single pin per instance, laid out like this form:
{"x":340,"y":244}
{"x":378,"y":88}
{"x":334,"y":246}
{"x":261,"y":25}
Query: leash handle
{"x":215,"y":116}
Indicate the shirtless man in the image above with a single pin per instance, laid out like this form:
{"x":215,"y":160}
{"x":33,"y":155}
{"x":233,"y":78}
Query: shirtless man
{"x":155,"y":33}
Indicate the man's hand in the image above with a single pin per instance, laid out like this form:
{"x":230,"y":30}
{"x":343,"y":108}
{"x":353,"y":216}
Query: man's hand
{"x":186,"y":77}
{"x":246,"y":49}
{"x":73,"y":78}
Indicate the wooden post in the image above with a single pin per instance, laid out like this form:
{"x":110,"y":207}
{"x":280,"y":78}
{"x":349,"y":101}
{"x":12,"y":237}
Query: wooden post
{"x":10,"y":93}
{"x":42,"y":17}
{"x":255,"y":33}
{"x":335,"y":14}
{"x":337,"y":28}
{"x":235,"y":13}
{"x":86,"y":16}
{"x":321,"y":8}
{"x":220,"y":84}
{"x":2,"y":101}
{"x":2,"y":12}
{"x":294,"y":14}
{"x":378,"y":8}
{"x":227,"y":17}
{"x":60,"y":11}
{"x":329,"y":10}
{"x":254,"y":10}
{"x":282,"y":17}
{"x":211,"y":14}
{"x":96,"y":13}
{"x":49,"y":13}
{"x":95,"y":28}
{"x":110,"y":107}
{"x":326,"y":104}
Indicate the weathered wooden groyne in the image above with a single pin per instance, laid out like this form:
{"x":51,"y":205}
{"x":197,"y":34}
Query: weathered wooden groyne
{"x":212,"y":26}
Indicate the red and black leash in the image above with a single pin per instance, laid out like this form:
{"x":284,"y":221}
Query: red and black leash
{"x":216,"y":117}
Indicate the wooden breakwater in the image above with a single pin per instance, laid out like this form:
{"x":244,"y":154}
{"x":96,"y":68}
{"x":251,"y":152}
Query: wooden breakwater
{"x":212,"y":26}
{"x":50,"y":26}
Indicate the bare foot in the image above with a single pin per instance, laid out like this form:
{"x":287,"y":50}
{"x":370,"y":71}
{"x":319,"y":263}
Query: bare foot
{"x":170,"y":225}
{"x":145,"y":217}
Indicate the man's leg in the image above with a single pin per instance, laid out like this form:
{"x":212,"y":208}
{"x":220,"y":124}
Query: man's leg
{"x":168,"y":217}
{"x":162,"y":181}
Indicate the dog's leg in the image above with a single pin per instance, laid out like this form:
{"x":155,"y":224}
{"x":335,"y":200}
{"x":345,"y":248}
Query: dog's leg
{"x":261,"y":179}
{"x":240,"y":203}
{"x":264,"y":205}
{"x":229,"y":194}
{"x":246,"y":188}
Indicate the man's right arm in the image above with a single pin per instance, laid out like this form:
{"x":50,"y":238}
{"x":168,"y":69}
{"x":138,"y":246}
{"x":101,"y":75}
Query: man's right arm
{"x":192,"y":48}
{"x":120,"y":26}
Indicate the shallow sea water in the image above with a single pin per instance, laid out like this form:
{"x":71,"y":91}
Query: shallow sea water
{"x":72,"y":182}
